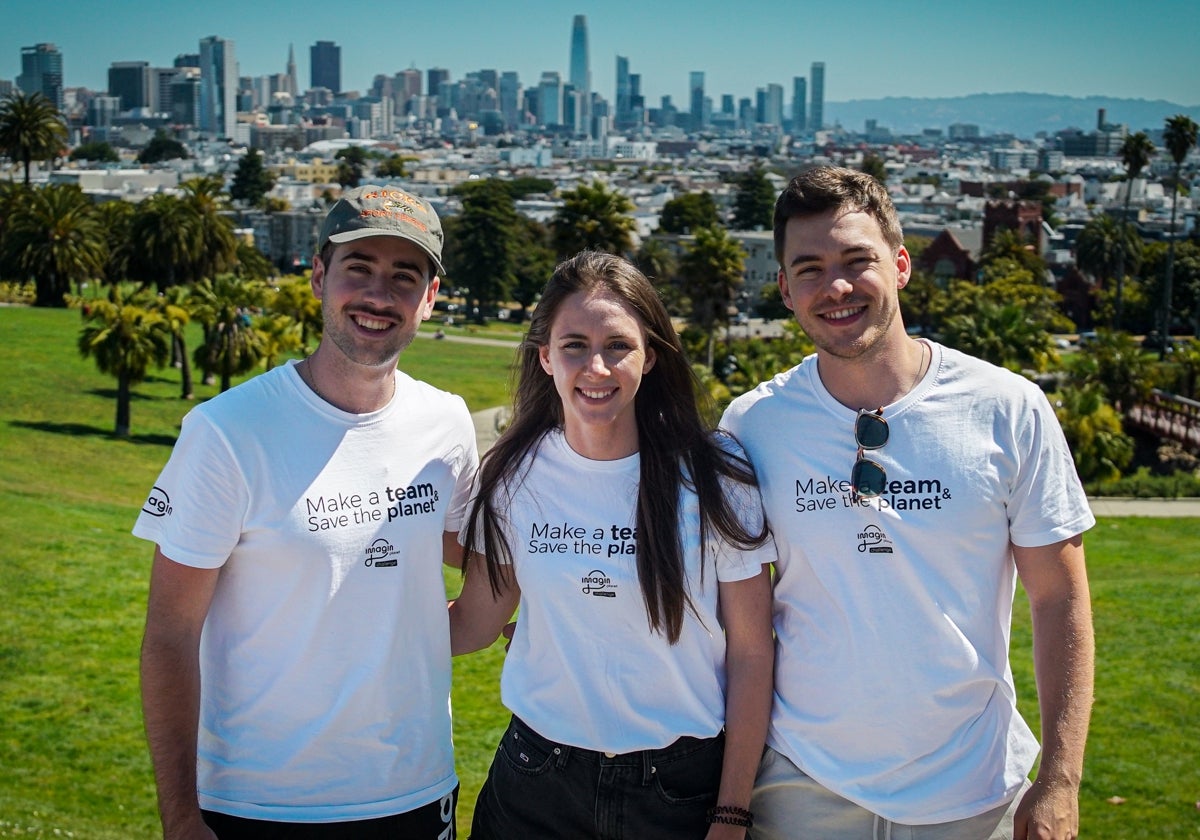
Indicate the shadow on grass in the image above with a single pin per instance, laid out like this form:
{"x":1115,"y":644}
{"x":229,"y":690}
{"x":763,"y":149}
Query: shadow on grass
{"x":82,"y":430}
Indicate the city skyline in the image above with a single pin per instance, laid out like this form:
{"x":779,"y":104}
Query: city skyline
{"x":931,"y":49}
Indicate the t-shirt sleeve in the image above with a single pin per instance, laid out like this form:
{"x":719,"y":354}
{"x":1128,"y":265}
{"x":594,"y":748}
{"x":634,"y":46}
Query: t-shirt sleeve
{"x":733,"y":562}
{"x":195,"y":511}
{"x":466,"y":468}
{"x":1047,"y":503}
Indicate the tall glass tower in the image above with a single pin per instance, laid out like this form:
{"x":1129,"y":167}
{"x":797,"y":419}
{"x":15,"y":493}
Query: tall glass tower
{"x":218,"y":87}
{"x":42,"y":72}
{"x":581,"y":76}
{"x":816,"y":112}
{"x":799,"y":104}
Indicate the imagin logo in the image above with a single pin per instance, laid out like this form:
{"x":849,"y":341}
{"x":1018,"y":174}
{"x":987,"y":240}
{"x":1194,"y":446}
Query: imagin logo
{"x":379,"y":554}
{"x":158,"y":503}
{"x":872,"y":540}
{"x":599,"y":584}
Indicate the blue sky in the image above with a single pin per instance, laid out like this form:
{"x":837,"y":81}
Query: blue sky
{"x":871,"y":48}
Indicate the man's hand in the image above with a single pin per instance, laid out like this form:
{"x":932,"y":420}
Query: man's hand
{"x":1047,"y":811}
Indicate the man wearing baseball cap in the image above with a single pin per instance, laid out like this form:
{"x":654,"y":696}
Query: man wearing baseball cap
{"x":296,"y":659}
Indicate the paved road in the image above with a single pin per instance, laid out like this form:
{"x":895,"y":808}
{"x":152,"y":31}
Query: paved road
{"x":486,"y":434}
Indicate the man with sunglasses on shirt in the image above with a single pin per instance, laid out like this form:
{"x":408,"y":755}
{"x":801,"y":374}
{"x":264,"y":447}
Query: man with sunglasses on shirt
{"x":908,"y":486}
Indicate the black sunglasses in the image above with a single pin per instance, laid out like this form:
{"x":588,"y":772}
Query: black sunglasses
{"x":868,"y":479}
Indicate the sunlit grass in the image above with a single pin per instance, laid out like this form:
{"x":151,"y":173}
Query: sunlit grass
{"x":73,"y":580}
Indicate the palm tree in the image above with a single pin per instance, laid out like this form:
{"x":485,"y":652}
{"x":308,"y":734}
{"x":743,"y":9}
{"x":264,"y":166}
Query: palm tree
{"x":125,"y":338}
{"x":1180,"y":137}
{"x":294,"y":297}
{"x":279,"y":333}
{"x":231,"y":345}
{"x":166,"y":241}
{"x":1136,"y":152}
{"x":711,"y":273}
{"x":593,"y":218}
{"x":1003,"y":334}
{"x":31,"y":128}
{"x":1100,"y":245}
{"x":115,"y":218}
{"x":206,"y":197}
{"x":656,"y":260}
{"x":1093,"y":429}
{"x":174,"y":304}
{"x":57,"y":240}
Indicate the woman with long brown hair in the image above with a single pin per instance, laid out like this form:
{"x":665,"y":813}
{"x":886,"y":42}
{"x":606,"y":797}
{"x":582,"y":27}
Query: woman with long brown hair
{"x":639,"y":674}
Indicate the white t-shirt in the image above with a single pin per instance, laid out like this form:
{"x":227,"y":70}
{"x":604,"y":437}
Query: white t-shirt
{"x":325,"y":656}
{"x":892,"y":615}
{"x":584,"y":667}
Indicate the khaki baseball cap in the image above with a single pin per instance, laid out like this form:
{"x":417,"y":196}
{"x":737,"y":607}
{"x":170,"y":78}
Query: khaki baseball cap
{"x":384,"y":211}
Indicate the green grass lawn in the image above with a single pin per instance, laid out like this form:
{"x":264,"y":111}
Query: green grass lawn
{"x":73,"y":761}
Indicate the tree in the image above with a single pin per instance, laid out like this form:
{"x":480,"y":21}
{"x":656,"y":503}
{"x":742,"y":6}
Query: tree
{"x":533,"y":263}
{"x":175,"y":306}
{"x":352,"y":166}
{"x":169,"y":242}
{"x":1100,"y":246}
{"x":224,"y":305}
{"x":206,"y":198}
{"x":57,"y":241}
{"x":593,"y":218}
{"x":754,"y":205}
{"x":99,"y":152}
{"x":31,"y":128}
{"x":162,"y":147}
{"x":1114,"y":364}
{"x":1093,"y":430}
{"x":115,"y":218}
{"x":1180,"y":137}
{"x":656,"y":260}
{"x":394,"y":166}
{"x":293,"y":297}
{"x":1136,"y":152}
{"x":711,"y":273}
{"x":1002,"y":334}
{"x":251,"y":180}
{"x":872,"y":164}
{"x":688,"y":213}
{"x":125,"y":337}
{"x":1009,"y":247}
{"x":482,"y":241}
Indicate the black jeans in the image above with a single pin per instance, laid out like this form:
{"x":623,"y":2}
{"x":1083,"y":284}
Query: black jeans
{"x":539,"y":789}
{"x":434,"y":821}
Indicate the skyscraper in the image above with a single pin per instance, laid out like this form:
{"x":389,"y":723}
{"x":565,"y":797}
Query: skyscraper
{"x":816,"y":111}
{"x":696,"y":98}
{"x":581,"y":74}
{"x":130,"y":82}
{"x":435,"y":77}
{"x":42,"y":72}
{"x":550,"y":96}
{"x":799,"y":104}
{"x":293,"y":81}
{"x":510,"y":98}
{"x":218,"y":87}
{"x":325,"y":58}
{"x":624,"y":116}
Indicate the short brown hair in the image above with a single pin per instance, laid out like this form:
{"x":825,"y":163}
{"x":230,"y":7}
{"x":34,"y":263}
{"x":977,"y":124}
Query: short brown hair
{"x":824,"y":188}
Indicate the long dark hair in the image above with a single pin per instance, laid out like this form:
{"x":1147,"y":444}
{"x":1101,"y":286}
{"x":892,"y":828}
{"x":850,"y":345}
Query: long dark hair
{"x":675,"y":447}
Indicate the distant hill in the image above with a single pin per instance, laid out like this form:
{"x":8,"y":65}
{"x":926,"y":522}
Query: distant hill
{"x":1022,"y":114}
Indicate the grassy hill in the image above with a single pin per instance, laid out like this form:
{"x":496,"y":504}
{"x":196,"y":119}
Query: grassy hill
{"x":73,"y":587}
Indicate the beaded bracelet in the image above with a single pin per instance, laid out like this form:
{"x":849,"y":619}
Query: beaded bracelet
{"x":730,"y":815}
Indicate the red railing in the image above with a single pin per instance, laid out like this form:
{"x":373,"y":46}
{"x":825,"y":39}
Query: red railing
{"x":1170,"y":417}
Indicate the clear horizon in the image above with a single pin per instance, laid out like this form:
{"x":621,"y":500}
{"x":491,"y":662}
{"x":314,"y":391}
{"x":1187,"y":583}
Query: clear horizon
{"x":931,"y":49}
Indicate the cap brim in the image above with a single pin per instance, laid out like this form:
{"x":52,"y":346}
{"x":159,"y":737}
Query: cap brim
{"x":364,"y":233}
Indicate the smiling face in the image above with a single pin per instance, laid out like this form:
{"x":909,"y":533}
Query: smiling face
{"x":374,"y":294}
{"x":841,"y":280}
{"x":597,"y":355}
